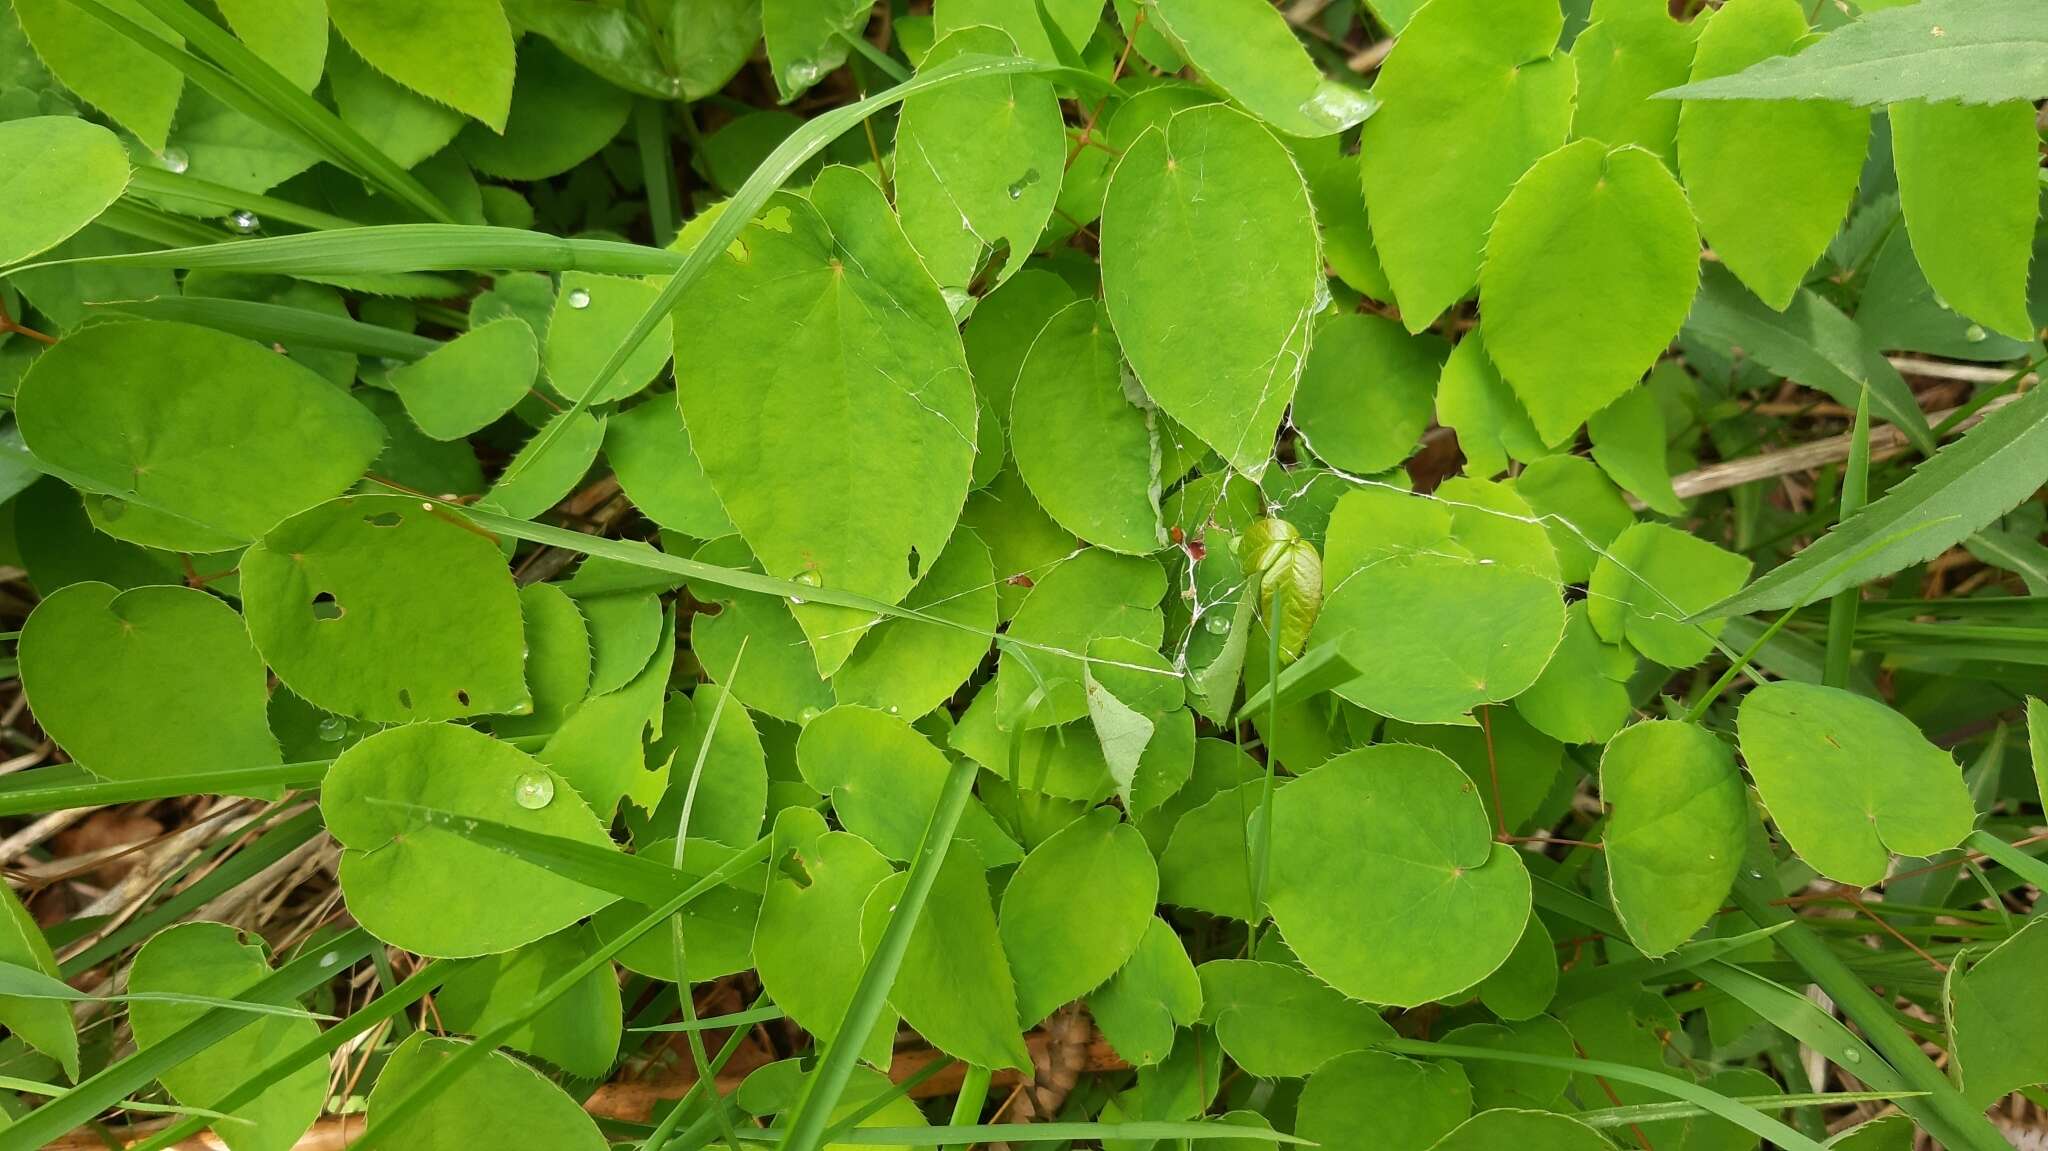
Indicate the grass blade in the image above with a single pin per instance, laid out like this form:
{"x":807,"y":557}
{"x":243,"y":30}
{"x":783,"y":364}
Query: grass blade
{"x":385,"y":249}
{"x":1682,"y":1089}
{"x":277,"y":323}
{"x":446,"y":1073}
{"x":634,"y":877}
{"x":131,"y":1074}
{"x":36,"y":796}
{"x":1842,"y":609}
{"x":821,"y":1095}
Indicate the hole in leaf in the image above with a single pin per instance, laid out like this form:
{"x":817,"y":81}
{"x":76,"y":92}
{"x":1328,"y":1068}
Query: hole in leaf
{"x":913,"y":563}
{"x":404,"y":699}
{"x":325,"y":607}
{"x":462,"y":697}
{"x":384,"y":520}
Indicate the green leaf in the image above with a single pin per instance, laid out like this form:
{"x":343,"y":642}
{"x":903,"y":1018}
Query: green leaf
{"x":1248,"y":49}
{"x":909,"y":667}
{"x":615,"y":43}
{"x":525,"y":489}
{"x":1590,"y":269}
{"x":1649,"y":585}
{"x":1075,"y":910}
{"x":806,"y":39}
{"x":807,"y":942}
{"x":61,"y":173}
{"x":874,"y":462}
{"x":1996,"y":1014}
{"x":1582,"y":695}
{"x":1379,"y":1101}
{"x":1367,"y":391}
{"x":44,"y":1024}
{"x":290,"y":36}
{"x":1525,"y":1130}
{"x":1432,"y":628}
{"x":458,"y":53}
{"x":1205,"y":863}
{"x":379,"y":608}
{"x":1629,"y":443}
{"x":1278,"y":1022}
{"x":979,"y":164}
{"x":1086,"y":443}
{"x":1810,"y":343}
{"x":560,"y":116}
{"x":1473,"y":401}
{"x":1376,"y":853}
{"x":719,"y":924}
{"x":1968,"y":484}
{"x":396,"y":121}
{"x":1000,"y":333}
{"x":154,"y":681}
{"x":1624,"y":58}
{"x":1849,"y":781}
{"x":598,"y":748}
{"x":497,"y":1099}
{"x":414,"y":884}
{"x":1154,"y":993}
{"x":884,"y":779}
{"x":1514,"y":766}
{"x":578,"y":1033}
{"x":1209,"y":215}
{"x":187,"y":438}
{"x":649,"y":447}
{"x":138,"y":89}
{"x":1803,"y":159}
{"x":732,"y":795}
{"x":465,"y":384}
{"x":1090,"y":594}
{"x":1973,"y":51}
{"x":1525,"y":985}
{"x":1475,"y":92}
{"x":213,"y":959}
{"x":954,"y":985}
{"x":1969,"y":184}
{"x":557,"y":660}
{"x":1678,"y":824}
{"x":592,"y":315}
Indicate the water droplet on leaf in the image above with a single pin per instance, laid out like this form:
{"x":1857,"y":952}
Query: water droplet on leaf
{"x":244,"y":221}
{"x":809,"y":578}
{"x":1218,"y":624}
{"x":801,"y":74}
{"x":1853,"y":1055}
{"x":175,"y":160}
{"x":331,"y":729}
{"x":807,"y":715}
{"x":1976,"y":334}
{"x":535,"y":790}
{"x":579,"y":299}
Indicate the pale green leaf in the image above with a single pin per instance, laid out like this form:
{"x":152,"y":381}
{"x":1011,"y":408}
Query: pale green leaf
{"x":134,"y":86}
{"x":560,"y":116}
{"x":1087,"y":451}
{"x":807,"y":944}
{"x":1677,"y":826}
{"x":1367,"y":392}
{"x":44,"y":1024}
{"x":288,"y":35}
{"x":1970,"y":187}
{"x":1475,"y":92}
{"x":1381,"y":851}
{"x":1379,"y":1101}
{"x":885,"y":779}
{"x":457,"y":52}
{"x":1247,"y":48}
{"x":1649,"y":585}
{"x":147,"y":682}
{"x":1279,"y":1022}
{"x":463,"y":385}
{"x":188,"y":438}
{"x":378,"y":608}
{"x":1210,"y":216}
{"x":908,"y":667}
{"x":1998,"y":1016}
{"x":414,"y":884}
{"x":978,"y":164}
{"x":1803,"y":159}
{"x":649,"y":447}
{"x":1590,"y":269}
{"x":822,"y":311}
{"x":1849,"y":781}
{"x":1623,"y":59}
{"x":578,"y":1032}
{"x":497,"y":1100}
{"x":1075,"y":910}
{"x":1154,"y":993}
{"x":1629,"y":445}
{"x":199,"y":958}
{"x":60,"y":173}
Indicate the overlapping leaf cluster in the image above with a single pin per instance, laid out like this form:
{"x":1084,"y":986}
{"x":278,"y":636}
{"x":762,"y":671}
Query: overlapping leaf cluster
{"x":994,"y":564}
